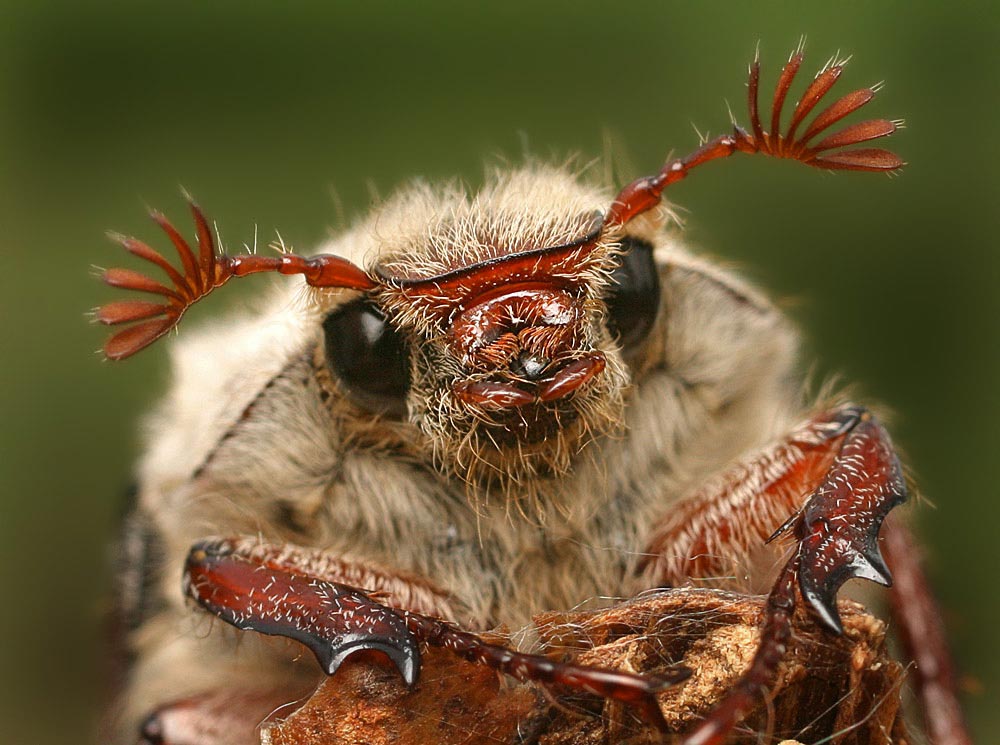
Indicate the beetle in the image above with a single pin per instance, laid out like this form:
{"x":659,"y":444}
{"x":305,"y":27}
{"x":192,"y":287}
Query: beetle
{"x":480,"y":407}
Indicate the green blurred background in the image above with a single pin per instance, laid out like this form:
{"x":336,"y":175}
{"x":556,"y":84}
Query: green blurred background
{"x":265,"y":114}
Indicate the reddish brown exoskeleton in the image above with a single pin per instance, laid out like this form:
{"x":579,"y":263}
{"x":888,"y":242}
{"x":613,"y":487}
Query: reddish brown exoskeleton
{"x":528,"y":398}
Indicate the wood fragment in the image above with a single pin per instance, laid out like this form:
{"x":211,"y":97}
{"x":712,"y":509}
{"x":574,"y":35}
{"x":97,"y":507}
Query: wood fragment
{"x":846,"y":689}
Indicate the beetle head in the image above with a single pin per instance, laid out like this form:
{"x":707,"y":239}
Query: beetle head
{"x":514,"y":368}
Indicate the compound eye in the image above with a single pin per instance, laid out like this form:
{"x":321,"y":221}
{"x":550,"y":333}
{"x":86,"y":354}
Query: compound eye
{"x":369,"y":357}
{"x":634,"y":297}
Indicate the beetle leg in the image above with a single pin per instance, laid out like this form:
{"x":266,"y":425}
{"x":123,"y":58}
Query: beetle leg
{"x":213,"y":718}
{"x":734,"y":513}
{"x":837,"y":529}
{"x":922,"y":631}
{"x":302,"y":595}
{"x":839,"y":477}
{"x":262,"y":590}
{"x":844,"y":461}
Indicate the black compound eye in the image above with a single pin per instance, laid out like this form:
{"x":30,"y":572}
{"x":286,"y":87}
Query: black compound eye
{"x":369,"y":357}
{"x":634,"y":297}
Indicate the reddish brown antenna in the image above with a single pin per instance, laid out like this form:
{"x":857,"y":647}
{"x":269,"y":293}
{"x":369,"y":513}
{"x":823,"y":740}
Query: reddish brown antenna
{"x":207,"y":270}
{"x":202,"y":274}
{"x":643,"y":194}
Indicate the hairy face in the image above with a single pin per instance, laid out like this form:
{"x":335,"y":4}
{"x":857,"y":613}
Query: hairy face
{"x":485,"y":413}
{"x":513,"y":367}
{"x":496,"y":329}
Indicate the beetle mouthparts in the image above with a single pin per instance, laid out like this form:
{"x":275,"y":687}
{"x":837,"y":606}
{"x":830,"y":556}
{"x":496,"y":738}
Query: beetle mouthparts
{"x":497,"y":395}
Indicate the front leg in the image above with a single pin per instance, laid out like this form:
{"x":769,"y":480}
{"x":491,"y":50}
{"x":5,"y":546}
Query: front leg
{"x":338,"y":608}
{"x":839,"y":477}
{"x":267,"y":589}
{"x":231,"y":715}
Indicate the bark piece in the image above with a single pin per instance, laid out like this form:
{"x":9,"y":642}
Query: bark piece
{"x":844,"y":688}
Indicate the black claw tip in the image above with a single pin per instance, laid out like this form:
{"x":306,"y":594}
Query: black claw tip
{"x":871,"y":568}
{"x":847,"y":419}
{"x":784,"y":527}
{"x":403,"y":651}
{"x":877,"y":562}
{"x":826,"y":610}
